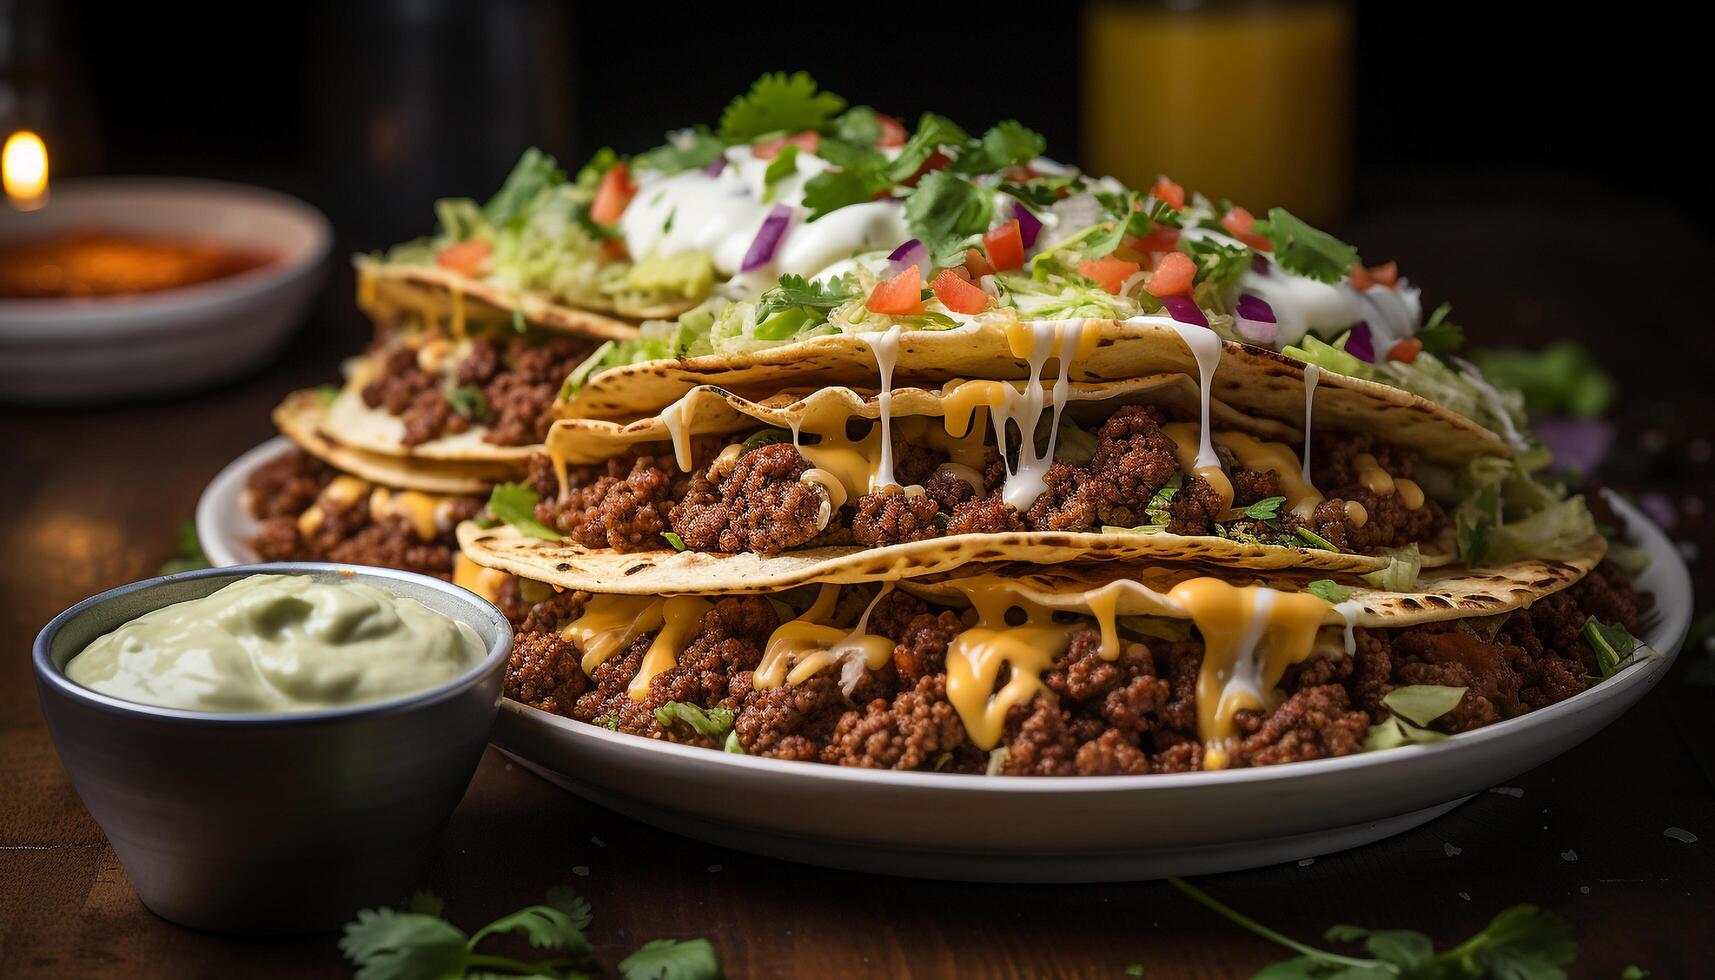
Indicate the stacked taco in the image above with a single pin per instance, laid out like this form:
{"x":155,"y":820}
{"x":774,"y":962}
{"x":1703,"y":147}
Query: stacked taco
{"x":928,"y":452}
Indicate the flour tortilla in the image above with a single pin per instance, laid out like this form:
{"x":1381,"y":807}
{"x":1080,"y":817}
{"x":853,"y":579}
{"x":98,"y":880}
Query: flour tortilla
{"x":429,"y":290}
{"x":302,"y":417}
{"x":1261,"y":382}
{"x":1439,"y":595}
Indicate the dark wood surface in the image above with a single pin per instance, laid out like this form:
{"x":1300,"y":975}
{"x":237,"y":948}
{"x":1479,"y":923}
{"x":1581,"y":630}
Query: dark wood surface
{"x":92,"y":498}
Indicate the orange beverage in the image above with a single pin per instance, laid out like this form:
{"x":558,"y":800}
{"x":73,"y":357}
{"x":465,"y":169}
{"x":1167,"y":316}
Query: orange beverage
{"x":1249,"y":101}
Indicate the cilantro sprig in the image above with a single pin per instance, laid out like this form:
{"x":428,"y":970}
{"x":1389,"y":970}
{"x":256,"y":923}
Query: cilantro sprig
{"x":1308,"y":251}
{"x":416,"y":943}
{"x":515,"y":503}
{"x":779,"y":103}
{"x":1523,"y":942}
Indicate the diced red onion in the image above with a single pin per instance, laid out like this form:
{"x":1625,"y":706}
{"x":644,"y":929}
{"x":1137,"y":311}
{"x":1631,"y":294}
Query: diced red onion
{"x":1259,"y":265}
{"x":715,"y":166}
{"x":912,"y":252}
{"x":1360,"y":344}
{"x":1577,"y":444}
{"x":767,"y":240}
{"x":1255,"y":319}
{"x":1183,"y":309}
{"x":1029,"y":226}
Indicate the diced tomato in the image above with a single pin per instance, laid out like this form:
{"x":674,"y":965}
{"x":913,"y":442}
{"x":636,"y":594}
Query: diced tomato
{"x":1386,"y":274}
{"x":1406,"y":350}
{"x":614,"y":249}
{"x":1161,"y":238}
{"x":465,"y":257}
{"x":1167,"y":190}
{"x":1005,"y":246}
{"x":1238,"y":222}
{"x":1360,"y":279}
{"x":1109,"y":271}
{"x":956,"y":294}
{"x":892,"y":130}
{"x":977,"y":264}
{"x":900,"y":296}
{"x":808,"y":142}
{"x":936,"y":161}
{"x":614,"y":194}
{"x":1174,"y":275}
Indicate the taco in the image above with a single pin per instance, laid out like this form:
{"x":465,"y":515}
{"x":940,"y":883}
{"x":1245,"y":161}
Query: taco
{"x":1089,"y":670}
{"x":307,"y":510}
{"x":304,"y":418}
{"x":845,"y":486}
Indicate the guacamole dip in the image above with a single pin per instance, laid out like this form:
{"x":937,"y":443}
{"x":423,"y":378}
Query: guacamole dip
{"x":279,"y":643}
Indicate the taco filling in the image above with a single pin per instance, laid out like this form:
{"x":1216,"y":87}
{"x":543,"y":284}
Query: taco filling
{"x":309,"y":511}
{"x":977,"y":679}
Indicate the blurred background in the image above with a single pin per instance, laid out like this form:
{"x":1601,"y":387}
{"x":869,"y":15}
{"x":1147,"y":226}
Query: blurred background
{"x":1537,"y":169}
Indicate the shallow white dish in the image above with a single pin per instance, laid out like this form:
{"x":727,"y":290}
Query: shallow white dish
{"x":103,"y":348}
{"x":224,"y":525}
{"x":977,"y":828}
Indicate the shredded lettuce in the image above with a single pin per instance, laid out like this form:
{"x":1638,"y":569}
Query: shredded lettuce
{"x":1401,"y":572}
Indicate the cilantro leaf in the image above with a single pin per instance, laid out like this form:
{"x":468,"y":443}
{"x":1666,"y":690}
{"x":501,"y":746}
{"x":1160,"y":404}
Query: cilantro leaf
{"x":672,"y":959}
{"x":589,"y":175}
{"x":535,"y":172}
{"x":1440,"y":336}
{"x":425,"y":903}
{"x":1040,"y":192}
{"x":779,"y":103}
{"x":190,"y":554}
{"x":784,"y":165}
{"x":1305,"y":250}
{"x":712,"y":722}
{"x":326,"y":394}
{"x":544,"y":926}
{"x":389,"y":945}
{"x":822,"y":295}
{"x":1007,"y":144}
{"x":933,"y":132}
{"x":1329,"y":590}
{"x":1218,"y":262}
{"x":860,"y":124}
{"x":515,"y":503}
{"x":1314,"y":540}
{"x":1471,"y":533}
{"x":689,"y":149}
{"x":945,"y":209}
{"x":468,"y":401}
{"x":573,"y":906}
{"x":1522,"y":943}
{"x":673,"y":539}
{"x":1266,"y":509}
{"x":831,"y":190}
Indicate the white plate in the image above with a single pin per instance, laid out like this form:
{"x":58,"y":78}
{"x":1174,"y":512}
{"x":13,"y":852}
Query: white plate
{"x":224,"y":525}
{"x":103,"y":348}
{"x":979,"y":828}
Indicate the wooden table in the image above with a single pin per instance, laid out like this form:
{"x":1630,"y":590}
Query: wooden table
{"x":92,"y":499}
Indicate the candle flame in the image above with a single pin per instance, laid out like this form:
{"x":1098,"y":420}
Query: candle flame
{"x":24,"y":168}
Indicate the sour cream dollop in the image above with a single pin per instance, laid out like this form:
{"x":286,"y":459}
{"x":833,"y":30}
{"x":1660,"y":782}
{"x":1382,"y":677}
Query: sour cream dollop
{"x":279,"y":644}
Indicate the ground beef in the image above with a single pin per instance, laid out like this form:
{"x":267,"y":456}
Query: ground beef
{"x":619,"y":504}
{"x":890,"y":516}
{"x":1250,"y":486}
{"x":1132,"y":460}
{"x":544,"y":672}
{"x":287,"y":485}
{"x":921,"y":651}
{"x":990,"y":515}
{"x":791,"y":721}
{"x":1194,"y":508}
{"x":348,"y":532}
{"x":519,"y":381}
{"x":909,"y":732}
{"x":729,"y":642}
{"x":760,"y":505}
{"x":1315,"y":723}
{"x":1036,"y":739}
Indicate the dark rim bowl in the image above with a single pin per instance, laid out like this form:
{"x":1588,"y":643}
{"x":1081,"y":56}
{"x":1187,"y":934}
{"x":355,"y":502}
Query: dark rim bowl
{"x":271,"y":822}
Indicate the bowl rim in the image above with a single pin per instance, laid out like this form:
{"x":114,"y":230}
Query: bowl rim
{"x":196,"y":296}
{"x":50,"y":676}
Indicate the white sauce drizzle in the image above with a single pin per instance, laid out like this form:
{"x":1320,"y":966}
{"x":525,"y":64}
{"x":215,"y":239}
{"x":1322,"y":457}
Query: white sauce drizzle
{"x":673,"y":417}
{"x":1349,"y":611}
{"x":1492,"y":399}
{"x":1312,"y":374}
{"x":1026,"y":481}
{"x":1205,"y":346}
{"x":1247,"y":666}
{"x":849,"y":652}
{"x":886,"y":349}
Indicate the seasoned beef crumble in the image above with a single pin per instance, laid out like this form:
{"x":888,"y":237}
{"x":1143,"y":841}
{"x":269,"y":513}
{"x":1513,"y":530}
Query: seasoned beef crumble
{"x":518,"y":379}
{"x":1135,"y":714}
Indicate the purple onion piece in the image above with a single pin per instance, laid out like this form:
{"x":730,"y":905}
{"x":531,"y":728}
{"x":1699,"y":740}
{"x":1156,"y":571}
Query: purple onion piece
{"x":715,"y":166}
{"x":1029,"y":226}
{"x":912,"y":252}
{"x":1259,"y":265}
{"x":1255,"y":308}
{"x":1360,"y":344}
{"x":767,"y":240}
{"x":1183,"y":309}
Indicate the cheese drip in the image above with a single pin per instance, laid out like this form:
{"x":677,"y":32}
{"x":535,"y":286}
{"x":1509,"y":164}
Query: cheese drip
{"x":681,"y":616}
{"x":485,"y":582}
{"x":976,"y":656}
{"x":801,"y":648}
{"x":342,"y":491}
{"x":1035,"y":343}
{"x":1253,"y":454}
{"x":1250,"y":635}
{"x":426,"y":513}
{"x":609,"y":624}
{"x":1381,"y":483}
